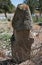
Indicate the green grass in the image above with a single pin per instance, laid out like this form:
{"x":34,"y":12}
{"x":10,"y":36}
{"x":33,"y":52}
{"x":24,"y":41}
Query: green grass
{"x":35,"y":20}
{"x":5,"y":37}
{"x":40,"y":19}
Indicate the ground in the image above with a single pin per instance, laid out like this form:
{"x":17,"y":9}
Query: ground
{"x":5,"y":35}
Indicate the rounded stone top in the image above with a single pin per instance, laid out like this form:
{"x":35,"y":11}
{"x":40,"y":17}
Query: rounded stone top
{"x":22,"y":19}
{"x":23,"y":6}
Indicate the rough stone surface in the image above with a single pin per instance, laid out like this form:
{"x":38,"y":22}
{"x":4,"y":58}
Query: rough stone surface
{"x":21,"y":41}
{"x":22,"y":18}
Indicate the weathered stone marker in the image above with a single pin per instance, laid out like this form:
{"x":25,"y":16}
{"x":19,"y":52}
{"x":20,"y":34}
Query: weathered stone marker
{"x":21,"y":41}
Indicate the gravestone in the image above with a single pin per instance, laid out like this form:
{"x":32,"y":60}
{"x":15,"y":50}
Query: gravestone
{"x":20,"y":40}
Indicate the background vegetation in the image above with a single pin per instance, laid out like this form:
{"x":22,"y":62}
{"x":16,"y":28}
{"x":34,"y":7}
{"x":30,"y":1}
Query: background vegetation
{"x":6,"y":6}
{"x":34,"y":5}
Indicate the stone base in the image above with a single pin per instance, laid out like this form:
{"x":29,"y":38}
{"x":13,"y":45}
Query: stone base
{"x":21,"y":47}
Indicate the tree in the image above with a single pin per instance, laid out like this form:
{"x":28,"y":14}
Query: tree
{"x":6,"y":6}
{"x":32,"y":4}
{"x":40,"y":6}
